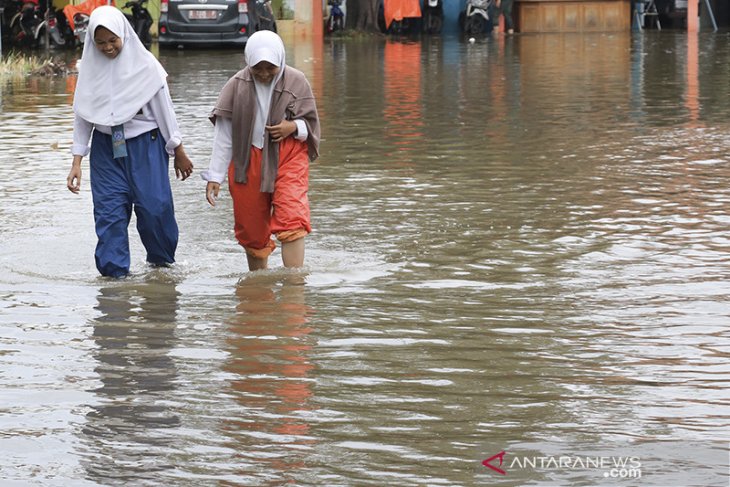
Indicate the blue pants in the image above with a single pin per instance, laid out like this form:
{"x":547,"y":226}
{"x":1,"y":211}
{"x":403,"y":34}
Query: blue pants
{"x":138,"y":181}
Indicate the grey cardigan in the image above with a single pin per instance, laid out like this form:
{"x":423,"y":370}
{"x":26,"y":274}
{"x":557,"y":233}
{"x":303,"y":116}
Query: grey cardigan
{"x":292,"y":99}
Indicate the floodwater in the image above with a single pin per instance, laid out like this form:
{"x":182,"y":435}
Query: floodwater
{"x":520,"y":245}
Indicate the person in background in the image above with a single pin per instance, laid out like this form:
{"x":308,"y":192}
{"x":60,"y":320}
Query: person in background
{"x":122,"y":103}
{"x":266,"y":133}
{"x":505,"y":8}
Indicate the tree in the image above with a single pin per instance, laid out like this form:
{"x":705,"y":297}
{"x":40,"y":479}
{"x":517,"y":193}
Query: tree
{"x":362,"y":15}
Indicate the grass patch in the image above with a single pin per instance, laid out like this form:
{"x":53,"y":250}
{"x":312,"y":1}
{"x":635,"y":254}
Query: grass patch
{"x":15,"y":64}
{"x":354,"y":34}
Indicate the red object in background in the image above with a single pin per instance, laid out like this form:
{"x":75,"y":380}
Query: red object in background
{"x":400,"y":9}
{"x":86,"y":7}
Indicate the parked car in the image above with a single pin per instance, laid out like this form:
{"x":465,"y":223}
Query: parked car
{"x":203,"y":22}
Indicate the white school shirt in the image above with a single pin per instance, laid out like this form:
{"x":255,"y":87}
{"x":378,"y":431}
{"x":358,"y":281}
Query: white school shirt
{"x":222,"y":154}
{"x":158,"y":113}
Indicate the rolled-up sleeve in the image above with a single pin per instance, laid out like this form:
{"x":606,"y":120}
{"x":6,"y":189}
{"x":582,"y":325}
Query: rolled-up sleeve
{"x":164,"y":113}
{"x":302,"y":132}
{"x":220,"y":159}
{"x":82,"y":135}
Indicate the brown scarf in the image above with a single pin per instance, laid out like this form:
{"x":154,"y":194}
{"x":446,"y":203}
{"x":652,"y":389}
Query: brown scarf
{"x":292,"y":99}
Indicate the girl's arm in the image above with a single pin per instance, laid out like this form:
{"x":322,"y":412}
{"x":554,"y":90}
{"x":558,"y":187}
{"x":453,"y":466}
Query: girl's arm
{"x":73,"y":181}
{"x":164,"y":114}
{"x":296,"y":128}
{"x":82,"y":135}
{"x":220,"y":159}
{"x":222,"y":151}
{"x":80,"y":148}
{"x":301,"y":133}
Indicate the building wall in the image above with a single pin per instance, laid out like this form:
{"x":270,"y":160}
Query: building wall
{"x":573,"y":15}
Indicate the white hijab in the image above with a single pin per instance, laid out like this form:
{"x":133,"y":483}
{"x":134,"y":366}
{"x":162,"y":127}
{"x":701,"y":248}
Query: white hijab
{"x":264,"y":45}
{"x":112,"y":91}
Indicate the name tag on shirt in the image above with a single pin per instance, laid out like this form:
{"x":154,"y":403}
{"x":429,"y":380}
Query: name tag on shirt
{"x":119,"y":145}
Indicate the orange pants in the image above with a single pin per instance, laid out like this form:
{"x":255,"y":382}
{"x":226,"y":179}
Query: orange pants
{"x":284,"y":213}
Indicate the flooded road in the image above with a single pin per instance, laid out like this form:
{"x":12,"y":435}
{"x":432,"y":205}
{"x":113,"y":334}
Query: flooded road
{"x":519,"y":245}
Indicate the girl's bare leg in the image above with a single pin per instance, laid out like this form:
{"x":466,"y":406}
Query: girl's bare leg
{"x":292,"y":253}
{"x":256,"y":263}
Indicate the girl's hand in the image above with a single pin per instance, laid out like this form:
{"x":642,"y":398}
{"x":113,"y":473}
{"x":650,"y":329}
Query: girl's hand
{"x":211,"y":192}
{"x":73,"y":181}
{"x":281,"y":131}
{"x":183,"y":164}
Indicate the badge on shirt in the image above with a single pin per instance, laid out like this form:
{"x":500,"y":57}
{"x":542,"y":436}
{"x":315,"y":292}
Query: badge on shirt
{"x":119,"y":145}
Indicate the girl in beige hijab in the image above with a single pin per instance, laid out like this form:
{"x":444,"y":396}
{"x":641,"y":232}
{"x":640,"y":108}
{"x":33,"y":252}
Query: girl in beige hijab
{"x":266,"y":132}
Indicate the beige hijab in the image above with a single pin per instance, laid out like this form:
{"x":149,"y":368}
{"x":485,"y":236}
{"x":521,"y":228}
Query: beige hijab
{"x":289,"y":98}
{"x":264,"y":45}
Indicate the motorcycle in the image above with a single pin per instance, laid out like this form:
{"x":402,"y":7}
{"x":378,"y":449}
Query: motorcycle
{"x":141,"y":20}
{"x":29,"y":24}
{"x":476,"y":18}
{"x":80,"y":26}
{"x":433,"y":16}
{"x":53,"y":22}
{"x":23,"y":24}
{"x":265,"y":19}
{"x":336,"y":19}
{"x":59,"y":32}
{"x":77,"y":18}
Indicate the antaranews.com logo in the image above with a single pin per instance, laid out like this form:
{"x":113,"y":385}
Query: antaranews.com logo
{"x":650,"y":462}
{"x":612,"y":467}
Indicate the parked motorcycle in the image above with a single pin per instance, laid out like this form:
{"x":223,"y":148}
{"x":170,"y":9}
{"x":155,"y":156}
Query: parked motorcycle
{"x":77,"y":17}
{"x":336,"y":18}
{"x":476,"y":18}
{"x":433,"y":16}
{"x":23,"y":24}
{"x":53,"y":22}
{"x":29,"y":24}
{"x":80,"y":26}
{"x":141,"y":20}
{"x":264,"y":13}
{"x":59,"y":32}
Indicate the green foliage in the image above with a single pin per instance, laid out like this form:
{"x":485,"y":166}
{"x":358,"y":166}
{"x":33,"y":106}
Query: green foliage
{"x":15,"y":64}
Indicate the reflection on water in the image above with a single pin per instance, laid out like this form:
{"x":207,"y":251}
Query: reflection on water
{"x":519,"y":243}
{"x":127,"y":430}
{"x":402,"y":98}
{"x":270,"y":346}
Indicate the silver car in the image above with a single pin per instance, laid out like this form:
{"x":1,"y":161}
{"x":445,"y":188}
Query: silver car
{"x":204,"y":22}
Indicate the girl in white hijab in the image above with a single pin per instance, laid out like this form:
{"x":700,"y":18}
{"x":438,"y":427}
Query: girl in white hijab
{"x":266,"y":133}
{"x":122,"y":104}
